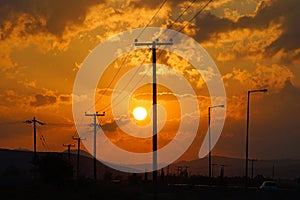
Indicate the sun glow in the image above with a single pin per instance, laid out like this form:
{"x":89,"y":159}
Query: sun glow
{"x":139,"y":113}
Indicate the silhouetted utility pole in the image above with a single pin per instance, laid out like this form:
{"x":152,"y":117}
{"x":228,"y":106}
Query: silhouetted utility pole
{"x":145,"y":177}
{"x":273,"y":171}
{"x":222,"y":172}
{"x":162,"y":175}
{"x":154,"y":105}
{"x":34,"y":121}
{"x":78,"y":153}
{"x":186,"y":173}
{"x":252,"y":160}
{"x":179,"y":170}
{"x":95,"y":115}
{"x":69,"y":149}
{"x":212,"y":171}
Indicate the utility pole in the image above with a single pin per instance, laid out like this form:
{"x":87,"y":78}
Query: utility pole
{"x":252,"y":160}
{"x":154,"y":105}
{"x":34,"y":121}
{"x":222,"y":172}
{"x":78,"y":153}
{"x":95,"y":115}
{"x":179,"y":170}
{"x":69,"y":149}
{"x":212,"y":172}
{"x":273,"y":171}
{"x":186,"y":171}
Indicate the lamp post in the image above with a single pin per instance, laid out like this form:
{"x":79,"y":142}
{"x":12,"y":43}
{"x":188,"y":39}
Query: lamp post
{"x":209,"y":147}
{"x":247,"y":128}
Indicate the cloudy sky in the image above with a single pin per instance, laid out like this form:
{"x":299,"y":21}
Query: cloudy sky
{"x":255,"y":44}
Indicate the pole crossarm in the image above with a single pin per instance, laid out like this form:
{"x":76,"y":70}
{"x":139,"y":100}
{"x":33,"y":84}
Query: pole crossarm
{"x":155,"y":43}
{"x":94,"y":114}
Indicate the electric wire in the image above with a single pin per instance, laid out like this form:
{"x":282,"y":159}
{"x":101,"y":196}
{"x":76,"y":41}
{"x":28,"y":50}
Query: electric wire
{"x":126,"y":57}
{"x":181,"y":29}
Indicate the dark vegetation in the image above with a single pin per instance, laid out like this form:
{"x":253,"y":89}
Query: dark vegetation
{"x":53,"y":177}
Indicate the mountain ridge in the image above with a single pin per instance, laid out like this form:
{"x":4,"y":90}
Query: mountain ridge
{"x":280,"y":168}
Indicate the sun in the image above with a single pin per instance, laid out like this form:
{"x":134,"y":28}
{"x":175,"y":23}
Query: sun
{"x":139,"y":113}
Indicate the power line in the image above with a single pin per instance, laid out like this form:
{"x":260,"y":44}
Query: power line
{"x":126,"y":85}
{"x":42,"y":139}
{"x":160,"y":7}
{"x":123,"y":61}
{"x":182,"y":13}
{"x":198,"y":13}
{"x":159,"y":55}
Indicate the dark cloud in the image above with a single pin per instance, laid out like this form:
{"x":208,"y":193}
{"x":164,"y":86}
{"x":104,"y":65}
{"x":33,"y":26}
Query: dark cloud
{"x":284,"y":12}
{"x":43,"y":100}
{"x":65,"y":98}
{"x":289,"y":40}
{"x":273,"y":129}
{"x":210,"y":25}
{"x":277,"y":131}
{"x":57,"y":14}
{"x":110,"y":127}
{"x":152,"y":4}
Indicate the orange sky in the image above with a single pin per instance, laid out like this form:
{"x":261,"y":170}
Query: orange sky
{"x":255,"y":44}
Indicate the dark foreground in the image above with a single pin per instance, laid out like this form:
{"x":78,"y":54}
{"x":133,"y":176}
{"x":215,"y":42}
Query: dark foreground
{"x":139,"y":191}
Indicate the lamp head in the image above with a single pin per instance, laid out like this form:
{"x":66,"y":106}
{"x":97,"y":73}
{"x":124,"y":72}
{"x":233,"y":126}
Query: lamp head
{"x":264,"y":90}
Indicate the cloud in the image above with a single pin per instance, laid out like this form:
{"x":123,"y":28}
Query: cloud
{"x":43,"y":100}
{"x":281,"y":14}
{"x":46,"y":16}
{"x":273,"y":126}
{"x":272,"y":77}
{"x":65,"y":98}
{"x":110,"y":126}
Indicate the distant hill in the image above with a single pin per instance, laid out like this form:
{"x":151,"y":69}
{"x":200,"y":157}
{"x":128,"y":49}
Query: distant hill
{"x":17,"y":161}
{"x":82,"y":153}
{"x":283,"y":168}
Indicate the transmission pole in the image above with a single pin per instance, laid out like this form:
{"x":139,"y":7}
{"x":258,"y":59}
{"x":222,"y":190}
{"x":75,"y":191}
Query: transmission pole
{"x":34,"y":121}
{"x":273,"y":171}
{"x":95,"y":115}
{"x":154,"y":104}
{"x":252,"y":160}
{"x":69,"y":149}
{"x":222,"y":171}
{"x":78,"y":153}
{"x":212,"y":170}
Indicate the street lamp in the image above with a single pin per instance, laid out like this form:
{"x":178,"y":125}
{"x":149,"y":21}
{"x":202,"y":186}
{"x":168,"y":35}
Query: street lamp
{"x":247,"y":128}
{"x":209,"y":147}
